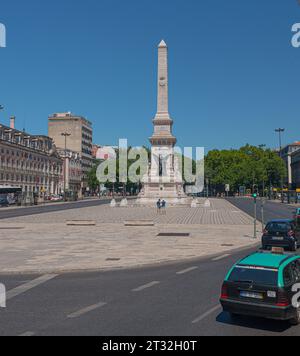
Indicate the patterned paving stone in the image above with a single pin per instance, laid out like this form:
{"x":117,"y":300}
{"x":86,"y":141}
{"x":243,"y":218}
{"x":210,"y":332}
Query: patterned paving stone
{"x":221,"y":212}
{"x":46,"y":244}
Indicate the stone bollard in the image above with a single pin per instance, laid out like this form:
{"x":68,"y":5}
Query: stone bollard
{"x":207,"y":203}
{"x":194,"y":204}
{"x":124,"y":203}
{"x":113,"y":203}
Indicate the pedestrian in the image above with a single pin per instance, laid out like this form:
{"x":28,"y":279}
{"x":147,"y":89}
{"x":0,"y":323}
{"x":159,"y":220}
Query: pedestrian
{"x":158,"y":205}
{"x":164,"y":206}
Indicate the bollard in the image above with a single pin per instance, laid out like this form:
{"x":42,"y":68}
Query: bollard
{"x":2,"y":296}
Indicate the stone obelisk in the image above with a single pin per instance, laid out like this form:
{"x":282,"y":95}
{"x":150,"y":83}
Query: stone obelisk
{"x":164,"y":179}
{"x":162,"y":121}
{"x":163,"y":83}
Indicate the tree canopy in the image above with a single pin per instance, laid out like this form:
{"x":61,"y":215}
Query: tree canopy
{"x":247,"y":166}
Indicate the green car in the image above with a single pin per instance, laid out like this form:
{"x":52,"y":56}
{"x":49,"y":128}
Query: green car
{"x":264,"y":285}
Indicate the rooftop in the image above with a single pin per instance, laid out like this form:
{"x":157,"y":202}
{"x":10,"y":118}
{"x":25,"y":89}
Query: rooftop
{"x":68,"y":115}
{"x":261,"y":259}
{"x":281,"y":221}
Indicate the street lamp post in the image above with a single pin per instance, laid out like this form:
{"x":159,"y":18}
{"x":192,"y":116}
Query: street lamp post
{"x":66,"y":135}
{"x":255,"y":214}
{"x":263,"y":214}
{"x":280,"y":131}
{"x":1,"y":107}
{"x":262,"y":147}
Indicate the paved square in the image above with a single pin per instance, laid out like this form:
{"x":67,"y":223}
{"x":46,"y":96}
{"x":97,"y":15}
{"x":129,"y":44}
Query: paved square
{"x":44,"y":243}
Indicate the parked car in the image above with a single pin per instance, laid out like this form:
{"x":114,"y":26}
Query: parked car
{"x":281,"y":233}
{"x":56,"y":198}
{"x":262,"y":285}
{"x":4,"y":202}
{"x":297,"y":214}
{"x":11,"y":199}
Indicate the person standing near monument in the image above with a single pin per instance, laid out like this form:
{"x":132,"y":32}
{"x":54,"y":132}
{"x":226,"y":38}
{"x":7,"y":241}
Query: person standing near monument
{"x":164,"y":207}
{"x":158,"y":205}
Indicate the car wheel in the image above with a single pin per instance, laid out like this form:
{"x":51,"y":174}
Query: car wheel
{"x":264,"y":247}
{"x":296,"y":320}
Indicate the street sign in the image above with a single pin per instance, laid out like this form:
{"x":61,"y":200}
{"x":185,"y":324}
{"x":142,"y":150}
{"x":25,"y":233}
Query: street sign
{"x":227,"y":188}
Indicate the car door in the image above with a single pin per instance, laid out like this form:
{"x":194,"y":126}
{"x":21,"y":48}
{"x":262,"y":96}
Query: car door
{"x":291,"y":276}
{"x":297,"y":270}
{"x":296,"y":228}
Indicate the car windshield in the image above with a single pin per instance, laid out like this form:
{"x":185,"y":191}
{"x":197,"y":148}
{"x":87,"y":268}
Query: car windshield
{"x":254,"y":275}
{"x":278,"y":226}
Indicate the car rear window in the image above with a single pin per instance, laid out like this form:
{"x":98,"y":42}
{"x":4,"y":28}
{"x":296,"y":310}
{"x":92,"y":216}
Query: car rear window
{"x":256,"y":275}
{"x":278,"y":227}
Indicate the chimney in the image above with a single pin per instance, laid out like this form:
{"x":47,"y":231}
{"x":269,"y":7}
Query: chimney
{"x":12,"y":122}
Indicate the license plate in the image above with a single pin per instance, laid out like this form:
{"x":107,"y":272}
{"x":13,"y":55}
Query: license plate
{"x":277,"y":238}
{"x":251,"y":295}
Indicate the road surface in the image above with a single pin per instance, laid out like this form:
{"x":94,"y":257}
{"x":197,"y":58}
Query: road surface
{"x":168,"y":300}
{"x":272,"y":210}
{"x":49,"y":208}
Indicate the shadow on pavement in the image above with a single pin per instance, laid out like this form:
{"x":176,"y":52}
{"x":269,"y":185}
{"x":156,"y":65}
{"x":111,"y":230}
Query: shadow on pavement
{"x":275,"y":326}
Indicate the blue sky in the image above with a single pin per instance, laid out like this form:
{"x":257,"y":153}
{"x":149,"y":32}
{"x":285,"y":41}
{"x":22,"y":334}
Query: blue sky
{"x":234,"y":76}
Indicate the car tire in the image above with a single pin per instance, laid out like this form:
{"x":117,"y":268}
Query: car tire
{"x":296,"y":320}
{"x":264,"y":247}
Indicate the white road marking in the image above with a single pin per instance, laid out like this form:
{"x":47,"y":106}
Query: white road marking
{"x":149,"y":285}
{"x":29,"y":285}
{"x":205,"y":315}
{"x":86,"y":310}
{"x":187,"y":270}
{"x":221,"y":257}
{"x":28,"y":333}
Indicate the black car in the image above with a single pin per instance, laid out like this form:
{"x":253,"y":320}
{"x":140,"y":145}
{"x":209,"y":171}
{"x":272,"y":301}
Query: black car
{"x":281,"y":233}
{"x":3,"y":202}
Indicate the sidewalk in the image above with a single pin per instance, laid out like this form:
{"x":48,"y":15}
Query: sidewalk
{"x":46,"y":244}
{"x":49,"y":203}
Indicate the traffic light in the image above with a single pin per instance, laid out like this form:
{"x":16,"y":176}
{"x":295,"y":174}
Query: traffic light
{"x":254,"y":196}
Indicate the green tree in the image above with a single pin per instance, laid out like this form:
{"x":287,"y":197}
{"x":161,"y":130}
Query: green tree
{"x":248,"y":166}
{"x":93,"y":182}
